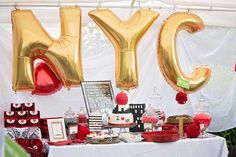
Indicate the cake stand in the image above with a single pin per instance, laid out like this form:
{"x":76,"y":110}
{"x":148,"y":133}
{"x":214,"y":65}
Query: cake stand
{"x":121,"y":127}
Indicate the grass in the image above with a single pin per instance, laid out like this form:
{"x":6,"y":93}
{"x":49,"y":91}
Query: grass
{"x":230,"y":136}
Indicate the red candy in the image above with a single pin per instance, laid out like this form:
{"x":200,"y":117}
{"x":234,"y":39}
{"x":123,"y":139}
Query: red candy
{"x":193,"y":131}
{"x":202,"y":118}
{"x":149,"y":119}
{"x":83,"y":131}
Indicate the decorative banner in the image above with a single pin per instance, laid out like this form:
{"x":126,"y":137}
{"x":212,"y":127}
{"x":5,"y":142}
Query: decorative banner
{"x":124,"y":36}
{"x":167,"y":55}
{"x":46,"y":83}
{"x":31,"y":41}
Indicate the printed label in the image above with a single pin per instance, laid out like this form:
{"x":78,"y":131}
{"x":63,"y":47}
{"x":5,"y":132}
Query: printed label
{"x":73,"y":129}
{"x":183,"y":83}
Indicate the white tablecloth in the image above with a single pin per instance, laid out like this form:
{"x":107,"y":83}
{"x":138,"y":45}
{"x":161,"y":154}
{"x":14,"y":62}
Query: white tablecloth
{"x":208,"y":147}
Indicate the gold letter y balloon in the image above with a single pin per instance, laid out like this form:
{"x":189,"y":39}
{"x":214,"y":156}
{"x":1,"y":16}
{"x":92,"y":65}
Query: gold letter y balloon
{"x":167,"y":55}
{"x":31,"y":41}
{"x":124,"y":36}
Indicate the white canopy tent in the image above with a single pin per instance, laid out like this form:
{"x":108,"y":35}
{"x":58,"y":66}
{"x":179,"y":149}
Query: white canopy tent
{"x":215,"y":46}
{"x":213,"y":12}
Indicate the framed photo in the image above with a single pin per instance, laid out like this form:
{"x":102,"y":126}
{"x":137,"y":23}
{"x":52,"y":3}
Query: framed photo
{"x":56,"y":129}
{"x":98,"y":95}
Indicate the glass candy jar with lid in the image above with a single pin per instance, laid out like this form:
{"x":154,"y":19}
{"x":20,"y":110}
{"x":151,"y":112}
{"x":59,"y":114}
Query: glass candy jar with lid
{"x":149,"y":118}
{"x":155,"y":99}
{"x":71,"y":123}
{"x":202,"y":118}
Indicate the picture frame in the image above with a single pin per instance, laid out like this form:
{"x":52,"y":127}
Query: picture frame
{"x":98,"y":95}
{"x":56,"y":129}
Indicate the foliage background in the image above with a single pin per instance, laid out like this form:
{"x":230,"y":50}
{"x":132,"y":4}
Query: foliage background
{"x":230,"y":136}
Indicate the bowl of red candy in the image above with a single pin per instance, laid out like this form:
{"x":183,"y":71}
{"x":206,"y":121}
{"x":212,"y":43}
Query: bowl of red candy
{"x":160,"y":136}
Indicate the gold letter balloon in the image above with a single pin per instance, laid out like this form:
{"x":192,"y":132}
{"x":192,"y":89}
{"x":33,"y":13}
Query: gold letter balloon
{"x":31,"y":41}
{"x":124,"y":36}
{"x":167,"y":55}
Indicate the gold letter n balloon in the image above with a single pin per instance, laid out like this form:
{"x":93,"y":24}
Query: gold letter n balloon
{"x":167,"y":55}
{"x":124,"y":36}
{"x":31,"y":41}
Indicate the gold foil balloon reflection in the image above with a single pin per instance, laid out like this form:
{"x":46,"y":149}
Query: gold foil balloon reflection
{"x":124,"y":36}
{"x":31,"y":41}
{"x":167,"y":55}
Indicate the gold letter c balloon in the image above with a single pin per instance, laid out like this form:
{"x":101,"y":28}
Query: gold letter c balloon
{"x":167,"y":56}
{"x":31,"y":41}
{"x":124,"y":36}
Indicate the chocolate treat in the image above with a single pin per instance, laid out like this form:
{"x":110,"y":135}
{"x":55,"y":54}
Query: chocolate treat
{"x":174,"y":120}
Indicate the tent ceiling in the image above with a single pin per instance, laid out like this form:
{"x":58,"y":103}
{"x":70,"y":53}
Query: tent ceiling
{"x":213,"y":12}
{"x":199,"y":3}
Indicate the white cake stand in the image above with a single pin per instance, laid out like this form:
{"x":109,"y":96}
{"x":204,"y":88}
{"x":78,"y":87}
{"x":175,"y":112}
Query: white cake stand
{"x":121,"y":127}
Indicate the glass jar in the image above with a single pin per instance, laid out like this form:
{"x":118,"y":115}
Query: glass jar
{"x":82,"y":117}
{"x":202,"y":118}
{"x":71,"y":124}
{"x":156,"y":101}
{"x":149,"y":118}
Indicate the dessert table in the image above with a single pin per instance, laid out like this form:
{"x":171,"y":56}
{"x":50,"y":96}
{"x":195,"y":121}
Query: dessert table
{"x":200,"y":147}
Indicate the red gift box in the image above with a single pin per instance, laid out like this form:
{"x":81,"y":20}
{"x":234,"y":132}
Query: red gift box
{"x":34,"y":114}
{"x":21,"y":114}
{"x":34,"y":122}
{"x":22,"y":123}
{"x":16,"y":107}
{"x":29,"y":106}
{"x":9,"y":123}
{"x":9,"y":115}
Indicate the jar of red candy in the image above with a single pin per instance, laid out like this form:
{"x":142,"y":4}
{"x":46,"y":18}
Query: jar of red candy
{"x":82,"y":117}
{"x":149,"y":118}
{"x":202,"y":118}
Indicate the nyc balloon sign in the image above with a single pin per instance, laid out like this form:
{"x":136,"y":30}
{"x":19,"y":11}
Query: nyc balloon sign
{"x":63,"y":55}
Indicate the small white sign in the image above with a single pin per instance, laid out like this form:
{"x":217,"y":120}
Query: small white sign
{"x":147,"y":126}
{"x":202,"y":127}
{"x":56,"y":129}
{"x":73,"y":129}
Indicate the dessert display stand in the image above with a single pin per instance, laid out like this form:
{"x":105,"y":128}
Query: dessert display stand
{"x":122,"y":128}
